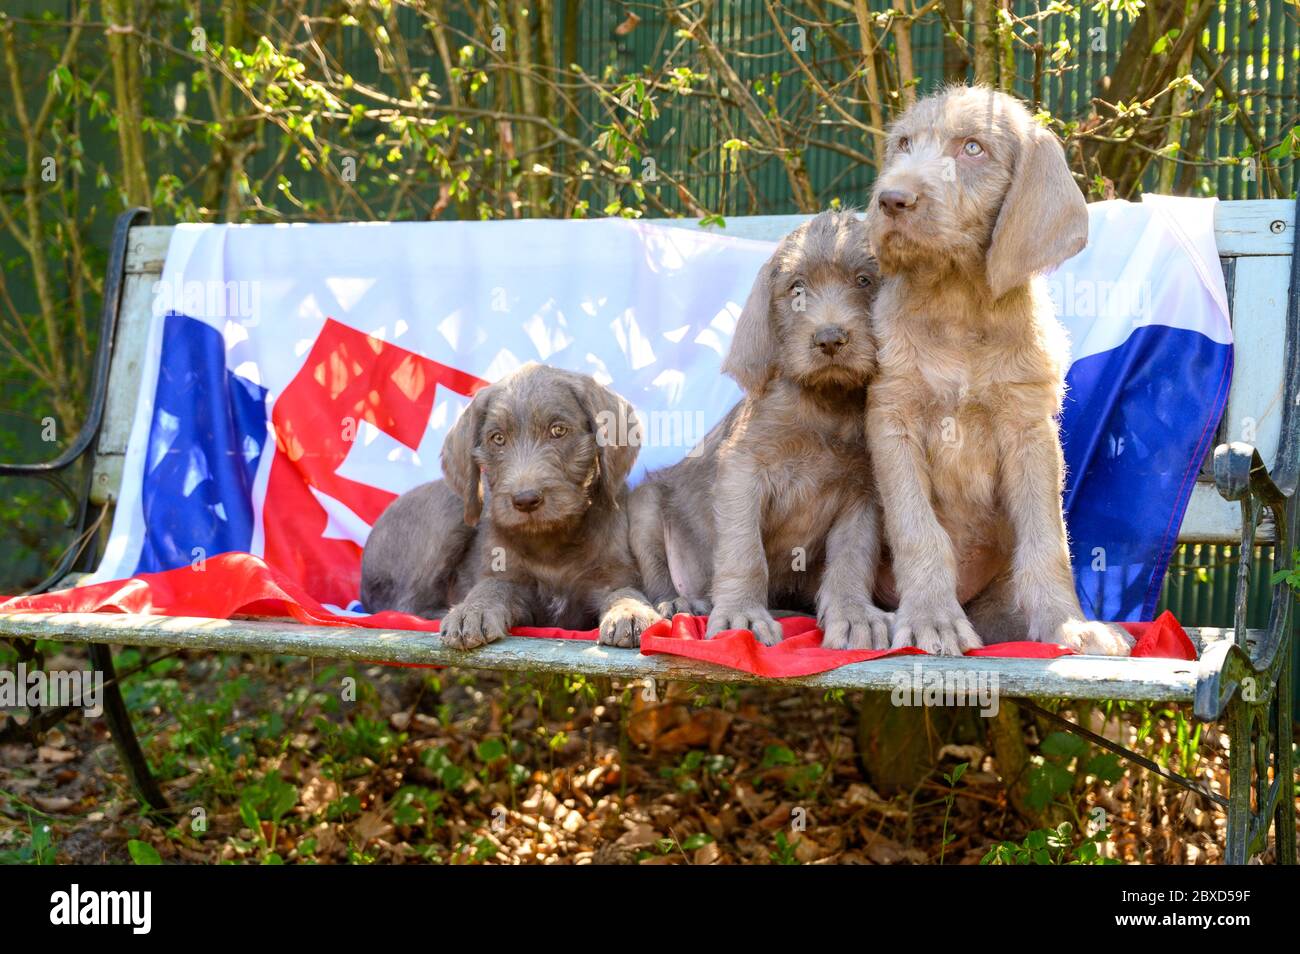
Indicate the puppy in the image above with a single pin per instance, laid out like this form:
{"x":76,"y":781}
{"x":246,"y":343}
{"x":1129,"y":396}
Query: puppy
{"x":553,"y":549}
{"x":974,"y":202}
{"x":776,"y":507}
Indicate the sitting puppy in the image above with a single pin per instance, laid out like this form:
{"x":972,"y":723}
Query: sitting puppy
{"x":776,"y":507}
{"x":975,"y":201}
{"x":553,"y":550}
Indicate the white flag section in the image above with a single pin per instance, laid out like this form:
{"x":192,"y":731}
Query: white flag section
{"x":647,"y":309}
{"x":298,"y":378}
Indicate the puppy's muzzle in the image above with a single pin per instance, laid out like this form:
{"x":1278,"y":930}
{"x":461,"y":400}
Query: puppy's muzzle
{"x":526,"y":501}
{"x":830,"y":340}
{"x":894,"y":202}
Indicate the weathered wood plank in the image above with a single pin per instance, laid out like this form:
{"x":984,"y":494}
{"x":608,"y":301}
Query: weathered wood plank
{"x":1241,"y":227}
{"x":125,"y":370}
{"x":1255,"y":227}
{"x":147,"y":249}
{"x":1074,"y":677}
{"x":1256,"y":403}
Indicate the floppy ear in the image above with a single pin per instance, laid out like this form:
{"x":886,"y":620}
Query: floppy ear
{"x":753,"y":346}
{"x":458,"y":463}
{"x":618,"y":435}
{"x":1044,"y":217}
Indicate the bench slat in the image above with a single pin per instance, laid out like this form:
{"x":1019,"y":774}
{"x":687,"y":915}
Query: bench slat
{"x":1255,"y":404}
{"x":1073,"y":677}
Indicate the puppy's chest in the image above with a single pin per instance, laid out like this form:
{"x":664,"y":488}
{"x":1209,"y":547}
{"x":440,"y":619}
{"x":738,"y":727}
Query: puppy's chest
{"x":807,"y":493}
{"x":956,"y":370}
{"x":956,"y":408}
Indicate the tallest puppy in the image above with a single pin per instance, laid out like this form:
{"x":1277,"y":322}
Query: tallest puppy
{"x":974,"y":202}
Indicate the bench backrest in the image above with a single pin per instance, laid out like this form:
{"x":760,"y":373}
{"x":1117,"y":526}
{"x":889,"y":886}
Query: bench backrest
{"x":1255,"y":240}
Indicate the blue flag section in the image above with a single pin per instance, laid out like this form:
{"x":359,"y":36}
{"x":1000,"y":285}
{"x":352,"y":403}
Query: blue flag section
{"x":1138,"y":421}
{"x":205,"y":441}
{"x":1151,"y":366}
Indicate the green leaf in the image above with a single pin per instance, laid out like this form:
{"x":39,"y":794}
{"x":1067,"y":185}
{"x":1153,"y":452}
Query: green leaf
{"x":1064,"y":745}
{"x":489,"y":750}
{"x":698,"y":840}
{"x":143,"y":853}
{"x":1107,"y":768}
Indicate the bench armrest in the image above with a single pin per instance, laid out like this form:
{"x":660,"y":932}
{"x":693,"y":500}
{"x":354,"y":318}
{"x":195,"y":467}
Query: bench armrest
{"x":1232,"y":666}
{"x":51,"y":471}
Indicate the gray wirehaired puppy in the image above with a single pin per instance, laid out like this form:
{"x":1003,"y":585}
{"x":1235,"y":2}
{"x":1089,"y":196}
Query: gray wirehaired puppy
{"x":552,"y":549}
{"x":777,"y":508}
{"x":974,"y":202}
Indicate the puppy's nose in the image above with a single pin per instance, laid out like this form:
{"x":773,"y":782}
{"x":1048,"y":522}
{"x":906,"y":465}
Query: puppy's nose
{"x":526,"y":501}
{"x":896,"y":201}
{"x":830,"y":340}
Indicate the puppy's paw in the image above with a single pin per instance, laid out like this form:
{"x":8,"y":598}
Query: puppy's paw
{"x":941,"y":629}
{"x":683,"y":604}
{"x":470,"y":625}
{"x":624,"y":622}
{"x":756,"y":619}
{"x":855,"y":624}
{"x":1090,"y":637}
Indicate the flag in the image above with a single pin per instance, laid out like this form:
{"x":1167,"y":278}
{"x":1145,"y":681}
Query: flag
{"x":1150,"y":368}
{"x":297,"y":379}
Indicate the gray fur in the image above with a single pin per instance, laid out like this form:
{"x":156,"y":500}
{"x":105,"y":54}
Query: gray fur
{"x":777,"y":506}
{"x":464,"y":542}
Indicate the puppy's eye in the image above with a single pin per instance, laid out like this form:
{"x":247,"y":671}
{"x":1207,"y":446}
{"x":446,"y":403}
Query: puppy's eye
{"x":797,"y":286}
{"x":559,"y":430}
{"x":904,"y":144}
{"x":863,"y":281}
{"x":972,"y":148}
{"x":496,"y":437}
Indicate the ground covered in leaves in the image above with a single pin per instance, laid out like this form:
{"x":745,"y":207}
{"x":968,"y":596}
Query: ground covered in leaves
{"x":282,"y":760}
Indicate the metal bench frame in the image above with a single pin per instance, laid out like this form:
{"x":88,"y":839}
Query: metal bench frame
{"x":1242,"y":677}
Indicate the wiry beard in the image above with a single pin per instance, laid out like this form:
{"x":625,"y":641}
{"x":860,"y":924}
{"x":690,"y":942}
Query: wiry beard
{"x":539,"y":525}
{"x":831,"y":376}
{"x":899,"y":252}
{"x":832,"y":380}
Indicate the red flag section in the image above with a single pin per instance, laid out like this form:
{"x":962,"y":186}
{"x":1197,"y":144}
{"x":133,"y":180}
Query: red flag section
{"x":348,"y":377}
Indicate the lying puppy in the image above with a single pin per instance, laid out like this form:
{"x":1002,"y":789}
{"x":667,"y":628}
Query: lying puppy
{"x":776,"y":507}
{"x":974,"y":201}
{"x":553,"y":550}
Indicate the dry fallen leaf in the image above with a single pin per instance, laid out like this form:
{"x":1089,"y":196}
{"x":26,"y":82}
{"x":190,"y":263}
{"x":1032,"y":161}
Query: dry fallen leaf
{"x":638,"y":836}
{"x":317,"y":793}
{"x":48,"y":753}
{"x":53,"y":803}
{"x":707,"y":854}
{"x":371,"y":825}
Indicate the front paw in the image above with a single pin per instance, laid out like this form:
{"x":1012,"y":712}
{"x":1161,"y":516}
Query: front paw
{"x":855,"y":624}
{"x":938,"y":628}
{"x":624,"y":622}
{"x":756,"y":619}
{"x":473,"y":624}
{"x":689,"y":605}
{"x":1084,"y":636}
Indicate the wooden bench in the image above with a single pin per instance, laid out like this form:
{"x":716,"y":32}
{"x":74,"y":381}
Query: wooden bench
{"x":1245,"y":497}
